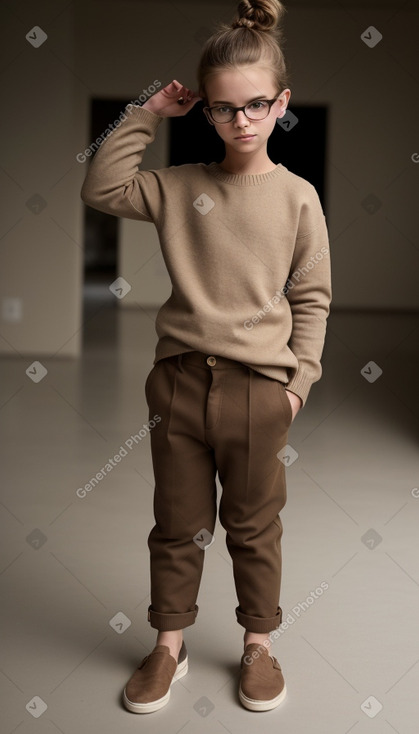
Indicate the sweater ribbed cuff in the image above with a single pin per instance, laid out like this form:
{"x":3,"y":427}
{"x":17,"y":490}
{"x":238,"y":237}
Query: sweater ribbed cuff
{"x":300,"y":384}
{"x":139,"y":113}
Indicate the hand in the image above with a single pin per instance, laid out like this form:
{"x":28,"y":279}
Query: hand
{"x":165,"y":102}
{"x":295,"y":401}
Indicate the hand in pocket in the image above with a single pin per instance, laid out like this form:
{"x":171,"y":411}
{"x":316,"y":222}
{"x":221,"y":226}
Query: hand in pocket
{"x":295,"y":401}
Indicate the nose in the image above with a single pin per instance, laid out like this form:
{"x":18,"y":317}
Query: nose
{"x":241,"y":119}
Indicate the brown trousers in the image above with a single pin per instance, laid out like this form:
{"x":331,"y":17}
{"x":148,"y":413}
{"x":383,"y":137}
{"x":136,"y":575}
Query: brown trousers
{"x":216,"y":415}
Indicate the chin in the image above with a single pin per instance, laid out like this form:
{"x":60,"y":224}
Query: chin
{"x":239,"y":145}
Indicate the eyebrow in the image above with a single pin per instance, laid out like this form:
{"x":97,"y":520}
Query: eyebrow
{"x":222,"y":101}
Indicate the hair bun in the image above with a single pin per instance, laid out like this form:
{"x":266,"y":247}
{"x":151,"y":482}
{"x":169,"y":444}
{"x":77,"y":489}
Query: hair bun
{"x":244,"y":23}
{"x":259,"y":15}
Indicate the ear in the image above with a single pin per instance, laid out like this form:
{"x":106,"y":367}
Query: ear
{"x":283,"y":101}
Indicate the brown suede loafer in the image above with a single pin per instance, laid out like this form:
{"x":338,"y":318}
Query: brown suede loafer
{"x":149,"y":688}
{"x":262,"y":685}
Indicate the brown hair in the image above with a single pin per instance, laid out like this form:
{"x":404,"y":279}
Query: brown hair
{"x":253,"y":38}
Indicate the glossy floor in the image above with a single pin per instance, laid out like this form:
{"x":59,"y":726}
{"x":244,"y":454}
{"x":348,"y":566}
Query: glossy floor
{"x":75,"y":566}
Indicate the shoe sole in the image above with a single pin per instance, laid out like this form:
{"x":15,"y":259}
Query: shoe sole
{"x":148,"y":708}
{"x":253,"y":704}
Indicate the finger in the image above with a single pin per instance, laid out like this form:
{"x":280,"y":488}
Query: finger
{"x":185,"y":96}
{"x":188,"y":96}
{"x":188,"y":93}
{"x":172,"y":89}
{"x":190,"y":102}
{"x":184,"y":93}
{"x":194,"y":99}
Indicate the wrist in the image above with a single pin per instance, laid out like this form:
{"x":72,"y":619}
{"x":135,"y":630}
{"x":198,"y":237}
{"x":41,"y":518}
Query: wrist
{"x":148,"y":105}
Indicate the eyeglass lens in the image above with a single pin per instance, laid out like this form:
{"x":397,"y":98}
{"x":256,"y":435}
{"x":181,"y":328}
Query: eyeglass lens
{"x":254,"y":111}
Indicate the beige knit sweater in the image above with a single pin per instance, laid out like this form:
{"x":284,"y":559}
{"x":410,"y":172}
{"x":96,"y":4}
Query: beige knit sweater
{"x":247,"y":255}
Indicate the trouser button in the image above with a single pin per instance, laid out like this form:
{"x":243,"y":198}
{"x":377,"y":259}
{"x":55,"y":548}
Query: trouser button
{"x":211,"y":361}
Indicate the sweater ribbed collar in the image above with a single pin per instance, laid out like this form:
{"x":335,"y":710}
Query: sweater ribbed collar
{"x":246,"y":179}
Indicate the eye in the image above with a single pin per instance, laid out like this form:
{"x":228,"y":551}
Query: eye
{"x":258,"y":105}
{"x":223,"y":110}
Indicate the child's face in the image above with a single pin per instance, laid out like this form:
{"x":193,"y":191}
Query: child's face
{"x":238,"y":87}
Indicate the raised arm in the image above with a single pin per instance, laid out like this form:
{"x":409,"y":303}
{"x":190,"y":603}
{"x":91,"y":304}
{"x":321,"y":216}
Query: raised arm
{"x":113,"y":183}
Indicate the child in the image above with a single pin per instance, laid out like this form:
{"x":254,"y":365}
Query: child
{"x":240,"y":341}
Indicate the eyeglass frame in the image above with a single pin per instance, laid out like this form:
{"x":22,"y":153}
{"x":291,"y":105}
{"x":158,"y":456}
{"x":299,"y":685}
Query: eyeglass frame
{"x":208,"y":112}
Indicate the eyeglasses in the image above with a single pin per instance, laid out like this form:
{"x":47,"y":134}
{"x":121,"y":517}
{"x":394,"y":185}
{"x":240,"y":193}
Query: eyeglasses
{"x":257,"y":110}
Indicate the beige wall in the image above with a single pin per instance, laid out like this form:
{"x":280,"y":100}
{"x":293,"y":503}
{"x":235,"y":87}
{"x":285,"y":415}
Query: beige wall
{"x":41,"y":253}
{"x":115,"y":49}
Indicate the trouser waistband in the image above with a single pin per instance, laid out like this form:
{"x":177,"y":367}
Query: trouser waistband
{"x":208,"y":361}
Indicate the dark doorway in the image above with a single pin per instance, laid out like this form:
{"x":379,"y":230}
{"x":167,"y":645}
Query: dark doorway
{"x":101,"y":233}
{"x":101,"y":230}
{"x":300,"y":146}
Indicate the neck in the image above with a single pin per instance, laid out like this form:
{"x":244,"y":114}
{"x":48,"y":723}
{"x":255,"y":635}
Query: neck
{"x":258,"y":162}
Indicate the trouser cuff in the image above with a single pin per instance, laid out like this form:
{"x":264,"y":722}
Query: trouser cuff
{"x":259,"y":624}
{"x":163,"y":622}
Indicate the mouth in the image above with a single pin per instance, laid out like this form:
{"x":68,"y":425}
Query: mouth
{"x":244,"y":137}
